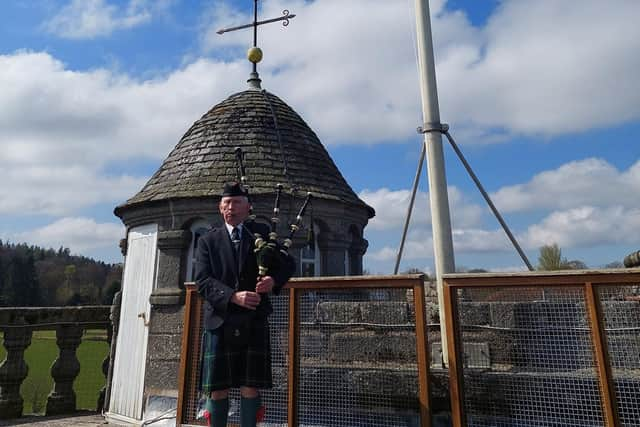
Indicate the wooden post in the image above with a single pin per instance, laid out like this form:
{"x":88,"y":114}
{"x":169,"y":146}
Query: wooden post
{"x":422,"y":354}
{"x":455,"y":373}
{"x":185,"y":354}
{"x":601,"y":355}
{"x":294,"y":360}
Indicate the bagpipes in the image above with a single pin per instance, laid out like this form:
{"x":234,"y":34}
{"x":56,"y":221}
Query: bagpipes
{"x":270,"y":252}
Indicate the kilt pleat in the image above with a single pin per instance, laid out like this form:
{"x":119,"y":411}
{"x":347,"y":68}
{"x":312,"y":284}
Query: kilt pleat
{"x":223,"y":366}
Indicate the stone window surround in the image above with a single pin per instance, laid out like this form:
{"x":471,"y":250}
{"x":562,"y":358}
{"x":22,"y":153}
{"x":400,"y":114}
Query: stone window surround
{"x":197,"y":228}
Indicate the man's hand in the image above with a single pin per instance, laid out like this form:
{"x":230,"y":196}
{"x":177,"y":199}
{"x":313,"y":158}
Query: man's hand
{"x":246,"y":299}
{"x":265,"y":284}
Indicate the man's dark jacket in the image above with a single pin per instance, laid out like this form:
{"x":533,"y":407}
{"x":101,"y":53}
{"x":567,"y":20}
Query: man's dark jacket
{"x":218,"y":278}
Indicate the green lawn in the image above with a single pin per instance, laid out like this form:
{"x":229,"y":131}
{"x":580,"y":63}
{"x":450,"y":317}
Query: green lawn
{"x":40,"y":356}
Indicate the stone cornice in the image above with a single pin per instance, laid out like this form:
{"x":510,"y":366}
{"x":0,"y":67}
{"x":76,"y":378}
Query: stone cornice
{"x":174,"y":239}
{"x":167,"y":296}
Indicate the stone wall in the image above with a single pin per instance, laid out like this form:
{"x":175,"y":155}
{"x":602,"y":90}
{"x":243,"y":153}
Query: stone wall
{"x":365,"y":351}
{"x":532,"y":335}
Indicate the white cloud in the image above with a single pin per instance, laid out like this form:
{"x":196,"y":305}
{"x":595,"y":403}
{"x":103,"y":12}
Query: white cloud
{"x":61,"y":190}
{"x":586,"y":226}
{"x":364,"y":91}
{"x":87,"y":19}
{"x":590,"y":182}
{"x":478,"y":240}
{"x":76,"y":233}
{"x":391,"y":208}
{"x":222,"y":15}
{"x":333,"y":67}
{"x":544,"y":69}
{"x":65,"y":128}
{"x":584,"y":204}
{"x":99,"y":115}
{"x":386,"y":253}
{"x":419,"y":244}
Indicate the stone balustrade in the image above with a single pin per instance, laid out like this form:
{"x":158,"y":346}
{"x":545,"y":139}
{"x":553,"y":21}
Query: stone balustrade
{"x":18,"y":324}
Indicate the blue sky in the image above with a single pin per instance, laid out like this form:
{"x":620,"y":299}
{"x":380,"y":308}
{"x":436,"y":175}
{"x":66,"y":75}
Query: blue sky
{"x":541,"y":96}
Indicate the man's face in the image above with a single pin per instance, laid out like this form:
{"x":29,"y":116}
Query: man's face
{"x":234,"y":209}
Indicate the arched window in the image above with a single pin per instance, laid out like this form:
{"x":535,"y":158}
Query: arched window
{"x":198,"y":228}
{"x":351,"y":255}
{"x":310,"y":255}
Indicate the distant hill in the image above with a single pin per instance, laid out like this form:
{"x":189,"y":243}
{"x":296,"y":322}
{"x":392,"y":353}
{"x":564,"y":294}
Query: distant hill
{"x":34,"y":276}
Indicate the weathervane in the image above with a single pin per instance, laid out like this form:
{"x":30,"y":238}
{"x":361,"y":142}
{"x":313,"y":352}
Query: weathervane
{"x":254,"y":54}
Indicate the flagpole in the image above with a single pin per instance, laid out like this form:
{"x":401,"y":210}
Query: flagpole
{"x":439,"y":200}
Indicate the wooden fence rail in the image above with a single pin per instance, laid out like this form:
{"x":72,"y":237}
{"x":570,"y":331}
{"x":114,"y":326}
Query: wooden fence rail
{"x":554,"y":320}
{"x":296,"y":288}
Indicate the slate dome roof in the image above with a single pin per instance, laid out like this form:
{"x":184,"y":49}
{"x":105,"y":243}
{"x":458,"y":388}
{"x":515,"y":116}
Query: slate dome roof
{"x":272,"y":137}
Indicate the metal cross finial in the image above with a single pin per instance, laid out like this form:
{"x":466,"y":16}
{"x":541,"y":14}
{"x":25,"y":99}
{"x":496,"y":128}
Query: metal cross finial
{"x":255,"y":54}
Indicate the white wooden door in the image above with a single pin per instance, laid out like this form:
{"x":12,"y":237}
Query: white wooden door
{"x":127,"y":385}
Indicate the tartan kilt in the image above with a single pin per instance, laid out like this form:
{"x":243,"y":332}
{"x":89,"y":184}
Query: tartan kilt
{"x":223,"y":366}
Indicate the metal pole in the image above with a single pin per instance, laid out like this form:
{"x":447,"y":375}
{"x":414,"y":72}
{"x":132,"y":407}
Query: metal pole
{"x":440,"y":219}
{"x":487,"y":199}
{"x":414,"y":190}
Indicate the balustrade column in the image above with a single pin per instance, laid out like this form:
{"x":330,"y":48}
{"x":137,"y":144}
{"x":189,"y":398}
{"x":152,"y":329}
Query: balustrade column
{"x":65,"y":369}
{"x":105,"y":371}
{"x":13,"y":371}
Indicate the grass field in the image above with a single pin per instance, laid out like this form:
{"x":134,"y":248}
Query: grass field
{"x":40,"y":356}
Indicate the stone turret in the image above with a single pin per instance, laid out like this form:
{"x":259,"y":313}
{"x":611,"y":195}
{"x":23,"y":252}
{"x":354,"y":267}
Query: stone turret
{"x":279,"y":148}
{"x":180,"y":202}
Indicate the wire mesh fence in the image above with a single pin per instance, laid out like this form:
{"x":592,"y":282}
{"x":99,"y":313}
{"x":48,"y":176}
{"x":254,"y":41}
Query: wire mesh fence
{"x":357,"y":361}
{"x":541,"y":366}
{"x":192,"y":400}
{"x":544,"y":358}
{"x":345,"y":357}
{"x":621,"y":318}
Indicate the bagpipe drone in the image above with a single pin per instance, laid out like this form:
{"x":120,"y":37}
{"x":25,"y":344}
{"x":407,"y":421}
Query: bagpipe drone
{"x":269,"y":251}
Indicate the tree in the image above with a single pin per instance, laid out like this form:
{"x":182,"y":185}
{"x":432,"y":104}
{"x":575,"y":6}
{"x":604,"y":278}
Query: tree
{"x":575,"y":264}
{"x":614,"y":264}
{"x":110,"y":292}
{"x":66,"y":292}
{"x":551,"y":259}
{"x":30,"y":276}
{"x":3,"y":301}
{"x":21,"y":280}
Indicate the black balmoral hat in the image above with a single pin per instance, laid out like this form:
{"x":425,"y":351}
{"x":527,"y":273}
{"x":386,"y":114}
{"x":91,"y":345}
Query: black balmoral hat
{"x":232,"y":189}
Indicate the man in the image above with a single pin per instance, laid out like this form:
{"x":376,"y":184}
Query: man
{"x":236,"y":347}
